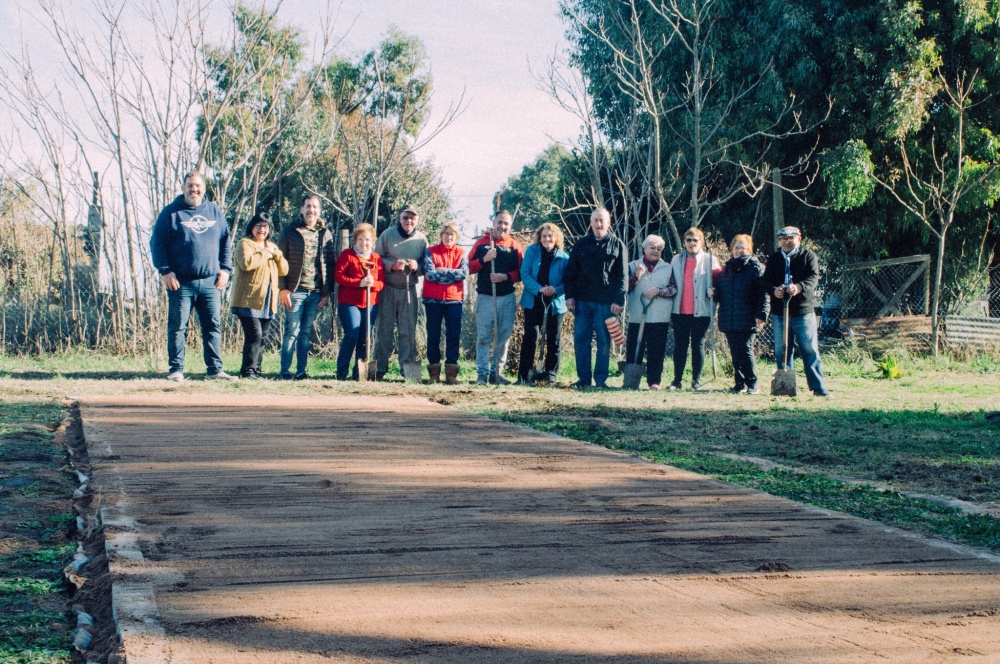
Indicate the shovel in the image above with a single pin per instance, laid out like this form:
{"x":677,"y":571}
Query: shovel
{"x":363,"y":364}
{"x":633,"y":372}
{"x":539,"y":372}
{"x":411,"y":370}
{"x":783,"y":382}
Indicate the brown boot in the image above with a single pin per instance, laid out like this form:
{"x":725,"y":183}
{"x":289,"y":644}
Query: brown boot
{"x":435,"y":372}
{"x":451,"y":374}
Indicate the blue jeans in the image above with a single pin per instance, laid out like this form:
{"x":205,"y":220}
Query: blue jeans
{"x":207,"y":301}
{"x":352,"y":319}
{"x":298,"y":330}
{"x":588,"y":323}
{"x":803,"y":331}
{"x":451,"y":314}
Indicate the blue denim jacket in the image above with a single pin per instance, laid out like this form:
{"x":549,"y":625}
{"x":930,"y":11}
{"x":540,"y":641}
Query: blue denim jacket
{"x":529,"y":271}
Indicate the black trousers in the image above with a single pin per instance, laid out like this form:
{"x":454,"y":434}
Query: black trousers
{"x":653,"y":348}
{"x":254,"y":330}
{"x":744,"y":363}
{"x":689,"y":331}
{"x":529,"y":344}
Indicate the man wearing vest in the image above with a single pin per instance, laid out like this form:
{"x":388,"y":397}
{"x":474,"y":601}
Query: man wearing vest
{"x":498,"y":266}
{"x":792,"y":272}
{"x":402,"y":250}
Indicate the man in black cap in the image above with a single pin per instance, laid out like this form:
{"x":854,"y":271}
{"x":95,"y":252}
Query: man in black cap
{"x":402,"y":250}
{"x":792,"y":272}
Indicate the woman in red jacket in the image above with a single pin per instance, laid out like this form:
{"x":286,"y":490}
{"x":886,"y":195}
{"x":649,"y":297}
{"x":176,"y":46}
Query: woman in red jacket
{"x":446,"y":268}
{"x":358,"y":269}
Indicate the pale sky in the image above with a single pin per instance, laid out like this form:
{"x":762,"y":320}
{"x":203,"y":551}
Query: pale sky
{"x":484,"y":46}
{"x":481,"y":46}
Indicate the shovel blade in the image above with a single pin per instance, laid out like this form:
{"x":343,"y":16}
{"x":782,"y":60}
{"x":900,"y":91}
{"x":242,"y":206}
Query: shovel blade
{"x":783,"y":383}
{"x":633,"y":374}
{"x":412,"y":372}
{"x":362,"y":372}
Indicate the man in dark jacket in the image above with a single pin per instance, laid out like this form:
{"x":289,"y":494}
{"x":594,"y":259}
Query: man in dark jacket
{"x":308,"y":247}
{"x":791,"y":276}
{"x":596,"y":283}
{"x":191,"y":249}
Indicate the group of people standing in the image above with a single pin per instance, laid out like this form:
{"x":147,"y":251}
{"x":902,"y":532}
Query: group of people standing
{"x":378,"y":278}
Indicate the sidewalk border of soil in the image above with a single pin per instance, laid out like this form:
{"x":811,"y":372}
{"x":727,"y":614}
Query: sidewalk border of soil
{"x":133,"y":581}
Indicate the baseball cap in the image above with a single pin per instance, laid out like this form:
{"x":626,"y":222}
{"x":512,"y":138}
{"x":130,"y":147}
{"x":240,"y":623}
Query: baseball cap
{"x":412,"y":209}
{"x":789,"y":231}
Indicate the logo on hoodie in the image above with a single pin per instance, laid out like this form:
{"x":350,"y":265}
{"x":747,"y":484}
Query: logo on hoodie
{"x":198,"y":224}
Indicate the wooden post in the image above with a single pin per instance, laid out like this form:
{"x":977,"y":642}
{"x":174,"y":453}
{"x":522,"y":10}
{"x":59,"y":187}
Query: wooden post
{"x":778,"y":205}
{"x":927,"y":286}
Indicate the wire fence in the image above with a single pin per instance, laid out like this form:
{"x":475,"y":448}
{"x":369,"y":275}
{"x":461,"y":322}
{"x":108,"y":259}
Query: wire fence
{"x":894,"y":287}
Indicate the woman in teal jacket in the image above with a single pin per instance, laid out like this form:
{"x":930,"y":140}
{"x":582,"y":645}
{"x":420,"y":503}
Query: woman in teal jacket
{"x":542,"y":273}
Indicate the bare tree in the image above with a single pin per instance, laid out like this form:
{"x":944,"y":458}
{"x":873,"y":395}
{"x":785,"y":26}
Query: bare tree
{"x":934,"y":188}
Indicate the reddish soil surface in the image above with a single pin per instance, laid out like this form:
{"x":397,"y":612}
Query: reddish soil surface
{"x":254,"y":529}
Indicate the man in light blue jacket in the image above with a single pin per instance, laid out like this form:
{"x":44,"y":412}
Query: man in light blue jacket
{"x":544,"y":301}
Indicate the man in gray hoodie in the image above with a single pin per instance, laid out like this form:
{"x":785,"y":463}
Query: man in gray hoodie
{"x":401,"y":248}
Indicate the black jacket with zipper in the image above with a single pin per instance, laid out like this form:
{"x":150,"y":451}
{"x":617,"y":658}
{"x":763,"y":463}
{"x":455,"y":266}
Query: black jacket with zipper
{"x":805,"y":274}
{"x":596,"y":270}
{"x":741,"y":294}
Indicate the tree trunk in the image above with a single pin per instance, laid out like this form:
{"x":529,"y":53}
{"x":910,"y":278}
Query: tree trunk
{"x":936,"y":304}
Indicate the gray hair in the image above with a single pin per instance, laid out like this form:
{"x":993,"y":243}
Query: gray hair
{"x":654,"y":241}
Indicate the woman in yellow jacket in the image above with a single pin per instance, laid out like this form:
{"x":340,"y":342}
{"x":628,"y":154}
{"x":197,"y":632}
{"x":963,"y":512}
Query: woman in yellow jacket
{"x":257,"y":265}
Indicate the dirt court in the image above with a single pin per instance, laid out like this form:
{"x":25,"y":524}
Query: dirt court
{"x":283,"y":529}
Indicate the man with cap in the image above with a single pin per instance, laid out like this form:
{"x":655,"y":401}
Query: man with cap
{"x":792,"y":272}
{"x":402,"y":250}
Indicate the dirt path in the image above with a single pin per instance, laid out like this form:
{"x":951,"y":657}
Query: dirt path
{"x":277,"y":530}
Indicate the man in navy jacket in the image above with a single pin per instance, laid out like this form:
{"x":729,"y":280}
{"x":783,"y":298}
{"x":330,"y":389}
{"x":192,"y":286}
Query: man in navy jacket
{"x":192,"y":250}
{"x":791,"y":277}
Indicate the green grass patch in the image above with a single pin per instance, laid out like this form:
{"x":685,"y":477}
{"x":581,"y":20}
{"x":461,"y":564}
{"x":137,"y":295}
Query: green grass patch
{"x":35,"y":491}
{"x":27,"y":587}
{"x":678,"y":439}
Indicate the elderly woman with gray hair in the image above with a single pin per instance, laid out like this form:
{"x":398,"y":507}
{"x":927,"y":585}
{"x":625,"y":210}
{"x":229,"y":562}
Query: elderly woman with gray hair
{"x":650,"y":294}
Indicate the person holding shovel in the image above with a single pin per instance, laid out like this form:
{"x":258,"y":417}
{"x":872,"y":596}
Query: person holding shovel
{"x":694,"y":272}
{"x":496,"y":259}
{"x":544,"y":303}
{"x":445,"y":270}
{"x":791,"y":276}
{"x":651,"y":292}
{"x":595,"y":291}
{"x":402,"y":250}
{"x":361,"y":276}
{"x":742,"y":299}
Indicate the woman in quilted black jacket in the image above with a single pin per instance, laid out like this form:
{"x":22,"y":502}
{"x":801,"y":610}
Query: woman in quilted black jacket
{"x":742,"y":299}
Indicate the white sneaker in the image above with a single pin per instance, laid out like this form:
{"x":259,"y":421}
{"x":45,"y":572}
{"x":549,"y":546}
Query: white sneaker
{"x":176,"y":376}
{"x":222,"y":375}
